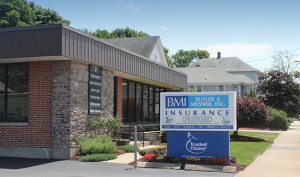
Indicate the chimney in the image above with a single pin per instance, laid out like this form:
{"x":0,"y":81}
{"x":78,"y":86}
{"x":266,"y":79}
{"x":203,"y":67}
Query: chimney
{"x":219,"y":55}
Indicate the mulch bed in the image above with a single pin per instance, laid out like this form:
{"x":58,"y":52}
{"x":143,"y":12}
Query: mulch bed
{"x":260,"y":128}
{"x":247,"y":138}
{"x":159,"y":143}
{"x":77,"y":157}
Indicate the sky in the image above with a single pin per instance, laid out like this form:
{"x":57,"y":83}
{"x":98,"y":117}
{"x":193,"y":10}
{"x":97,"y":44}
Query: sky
{"x":251,"y":30}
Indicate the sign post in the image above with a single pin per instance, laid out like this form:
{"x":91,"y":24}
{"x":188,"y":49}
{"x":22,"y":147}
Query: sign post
{"x":198,"y":123}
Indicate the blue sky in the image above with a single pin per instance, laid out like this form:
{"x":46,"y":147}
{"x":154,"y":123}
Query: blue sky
{"x":251,"y":30}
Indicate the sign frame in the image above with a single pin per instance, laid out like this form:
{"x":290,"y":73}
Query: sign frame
{"x":198,"y":127}
{"x":94,"y":90}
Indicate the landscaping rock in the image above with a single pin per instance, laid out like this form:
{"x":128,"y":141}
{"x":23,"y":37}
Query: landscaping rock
{"x":159,"y":165}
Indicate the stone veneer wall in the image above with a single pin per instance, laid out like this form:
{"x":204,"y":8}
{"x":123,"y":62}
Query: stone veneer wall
{"x":70,"y":97}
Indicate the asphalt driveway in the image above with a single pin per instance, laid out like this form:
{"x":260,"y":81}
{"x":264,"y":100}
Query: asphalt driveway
{"x":17,"y":167}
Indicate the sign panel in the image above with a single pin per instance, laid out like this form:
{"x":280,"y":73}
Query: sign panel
{"x":198,"y":111}
{"x":200,"y":144}
{"x":95,"y":83}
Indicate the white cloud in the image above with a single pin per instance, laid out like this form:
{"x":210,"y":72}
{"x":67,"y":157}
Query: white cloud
{"x":164,"y":28}
{"x":238,"y":49}
{"x":129,"y":5}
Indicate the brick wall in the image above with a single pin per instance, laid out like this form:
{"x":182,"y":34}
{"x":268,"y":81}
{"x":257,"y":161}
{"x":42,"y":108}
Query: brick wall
{"x":38,"y":132}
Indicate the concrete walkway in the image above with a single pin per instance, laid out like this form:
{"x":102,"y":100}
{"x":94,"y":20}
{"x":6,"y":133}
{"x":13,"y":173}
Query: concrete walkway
{"x":128,"y":157}
{"x":281,"y":159}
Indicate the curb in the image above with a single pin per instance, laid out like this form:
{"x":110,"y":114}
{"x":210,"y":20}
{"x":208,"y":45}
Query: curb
{"x":210,"y":168}
{"x":187,"y":167}
{"x":174,"y":166}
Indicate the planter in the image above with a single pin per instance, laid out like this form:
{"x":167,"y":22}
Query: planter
{"x":121,"y":142}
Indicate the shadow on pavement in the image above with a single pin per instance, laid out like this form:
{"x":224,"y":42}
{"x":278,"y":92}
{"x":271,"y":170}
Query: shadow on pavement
{"x":19,"y":163}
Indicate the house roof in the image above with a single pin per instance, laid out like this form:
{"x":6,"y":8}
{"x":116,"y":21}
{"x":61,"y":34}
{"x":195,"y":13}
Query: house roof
{"x":140,"y":45}
{"x":230,"y":64}
{"x":213,"y":75}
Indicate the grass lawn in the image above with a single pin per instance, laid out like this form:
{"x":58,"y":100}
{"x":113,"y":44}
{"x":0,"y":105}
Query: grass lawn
{"x":246,"y":152}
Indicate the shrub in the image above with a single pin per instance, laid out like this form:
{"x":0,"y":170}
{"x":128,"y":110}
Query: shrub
{"x":172,"y":159}
{"x":128,"y":148}
{"x":98,"y":145}
{"x":163,"y":136}
{"x":251,"y":111}
{"x":162,"y":154}
{"x":112,"y":125}
{"x":278,"y":119}
{"x":152,"y":150}
{"x":193,"y":159}
{"x":218,"y":160}
{"x":149,"y":157}
{"x":98,"y":157}
{"x":232,"y":160}
{"x":251,"y":93}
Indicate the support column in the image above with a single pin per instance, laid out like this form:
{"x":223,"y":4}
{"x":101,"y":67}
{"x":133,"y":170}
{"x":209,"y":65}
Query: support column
{"x":118,"y":95}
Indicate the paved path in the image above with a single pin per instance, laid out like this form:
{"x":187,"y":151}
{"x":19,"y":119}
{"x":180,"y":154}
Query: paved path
{"x":16,"y":167}
{"x":128,"y":157}
{"x":281,"y":159}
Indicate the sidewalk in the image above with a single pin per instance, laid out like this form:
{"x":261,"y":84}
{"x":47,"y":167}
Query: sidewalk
{"x":281,"y":159}
{"x":128,"y":157}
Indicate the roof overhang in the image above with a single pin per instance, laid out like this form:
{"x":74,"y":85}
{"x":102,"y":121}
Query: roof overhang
{"x":61,"y":42}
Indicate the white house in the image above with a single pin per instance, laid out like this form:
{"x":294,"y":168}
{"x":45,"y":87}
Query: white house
{"x":150,"y":47}
{"x":221,"y":74}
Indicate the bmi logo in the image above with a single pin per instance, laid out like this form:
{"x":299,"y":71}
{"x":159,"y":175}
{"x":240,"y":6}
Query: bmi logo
{"x":194,"y":146}
{"x":176,"y":102}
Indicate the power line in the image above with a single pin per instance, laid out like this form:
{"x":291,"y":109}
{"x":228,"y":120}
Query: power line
{"x":271,"y":56}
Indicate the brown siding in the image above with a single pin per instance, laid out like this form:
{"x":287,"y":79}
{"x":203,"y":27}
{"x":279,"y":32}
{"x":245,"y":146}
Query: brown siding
{"x":61,"y":40}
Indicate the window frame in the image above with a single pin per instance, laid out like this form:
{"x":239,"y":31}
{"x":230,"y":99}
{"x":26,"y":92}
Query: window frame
{"x":6,"y":70}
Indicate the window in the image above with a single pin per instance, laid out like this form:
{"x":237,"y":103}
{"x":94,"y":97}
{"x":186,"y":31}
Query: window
{"x":221,"y":87}
{"x":14,"y":92}
{"x":140,"y":102}
{"x":192,"y":87}
{"x":199,"y":88}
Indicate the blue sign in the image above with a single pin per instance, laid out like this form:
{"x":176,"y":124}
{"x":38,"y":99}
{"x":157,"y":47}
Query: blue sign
{"x":200,"y":144}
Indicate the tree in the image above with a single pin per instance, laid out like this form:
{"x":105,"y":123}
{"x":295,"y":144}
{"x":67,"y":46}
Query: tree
{"x":279,"y":91}
{"x":117,"y":33}
{"x":21,"y":13}
{"x":285,"y":62}
{"x":184,"y":58}
{"x":169,"y":60}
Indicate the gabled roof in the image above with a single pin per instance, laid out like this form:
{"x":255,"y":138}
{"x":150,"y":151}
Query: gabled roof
{"x":213,"y":75}
{"x":141,"y":45}
{"x":229,"y":64}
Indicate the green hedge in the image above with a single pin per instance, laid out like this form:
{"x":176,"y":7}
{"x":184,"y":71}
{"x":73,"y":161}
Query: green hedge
{"x":127,"y":148}
{"x":163,"y":136}
{"x":99,"y":145}
{"x":278,"y":119}
{"x":152,"y":150}
{"x":98,"y":157}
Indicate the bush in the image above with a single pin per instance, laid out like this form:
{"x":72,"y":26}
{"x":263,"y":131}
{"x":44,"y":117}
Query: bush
{"x":128,"y":148}
{"x":278,"y":119}
{"x":98,"y":157}
{"x":251,"y":111}
{"x":152,"y":150}
{"x":163,"y":136}
{"x":98,"y":145}
{"x":112,"y":125}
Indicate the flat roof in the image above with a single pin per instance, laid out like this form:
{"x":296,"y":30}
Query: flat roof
{"x":65,"y":42}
